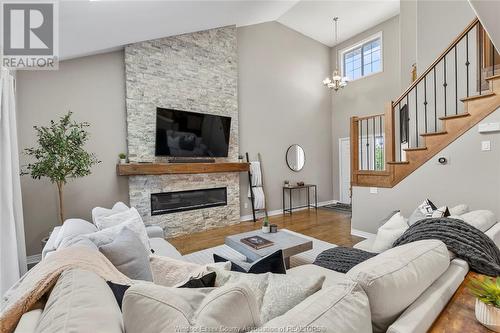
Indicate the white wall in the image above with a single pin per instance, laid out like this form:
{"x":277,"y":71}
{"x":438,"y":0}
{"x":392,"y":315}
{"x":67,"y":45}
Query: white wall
{"x":472,"y":177}
{"x":282,"y":102}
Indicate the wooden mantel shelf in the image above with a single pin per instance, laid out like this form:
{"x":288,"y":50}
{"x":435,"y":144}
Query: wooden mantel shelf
{"x":136,"y":169}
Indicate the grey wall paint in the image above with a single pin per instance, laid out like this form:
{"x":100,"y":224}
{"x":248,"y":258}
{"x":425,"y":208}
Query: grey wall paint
{"x":368,"y":95}
{"x":282,"y":102}
{"x":438,"y":23}
{"x":408,"y":39}
{"x":471,"y":177}
{"x":94,"y":89}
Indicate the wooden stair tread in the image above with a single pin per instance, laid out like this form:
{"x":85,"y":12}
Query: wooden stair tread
{"x":454,"y":116}
{"x":493,"y":77}
{"x":415,"y":149}
{"x":398,"y":162}
{"x":471,"y":98}
{"x":434,"y":133}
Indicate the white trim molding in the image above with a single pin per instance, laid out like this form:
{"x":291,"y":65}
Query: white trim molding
{"x":280,"y":211}
{"x":361,"y":233}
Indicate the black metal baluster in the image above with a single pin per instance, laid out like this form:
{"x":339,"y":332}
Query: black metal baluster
{"x":480,"y":57}
{"x":425,"y":102}
{"x":408,"y":119}
{"x":374,"y":145}
{"x":467,"y":63}
{"x":435,"y":102}
{"x":456,"y":81}
{"x":416,"y":116}
{"x":360,"y":125}
{"x":367,"y":146}
{"x":445,"y":85}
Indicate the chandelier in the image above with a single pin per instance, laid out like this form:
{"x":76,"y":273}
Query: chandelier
{"x":336,"y":81}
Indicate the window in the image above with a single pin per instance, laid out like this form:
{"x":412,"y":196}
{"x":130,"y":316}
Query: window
{"x":363,"y":59}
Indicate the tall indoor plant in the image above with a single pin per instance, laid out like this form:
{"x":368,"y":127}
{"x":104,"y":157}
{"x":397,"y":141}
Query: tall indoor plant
{"x":60,"y":154}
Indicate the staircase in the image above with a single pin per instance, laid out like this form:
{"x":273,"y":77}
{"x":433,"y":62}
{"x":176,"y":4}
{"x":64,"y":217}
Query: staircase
{"x":448,"y":99}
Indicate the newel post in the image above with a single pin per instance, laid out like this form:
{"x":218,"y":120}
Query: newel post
{"x":390,"y":139}
{"x":354,"y":150}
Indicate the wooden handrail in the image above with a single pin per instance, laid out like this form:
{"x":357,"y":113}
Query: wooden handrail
{"x":370,"y":117}
{"x":434,"y":64}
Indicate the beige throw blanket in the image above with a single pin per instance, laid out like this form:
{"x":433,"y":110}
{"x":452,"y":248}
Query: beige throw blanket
{"x":41,"y":278}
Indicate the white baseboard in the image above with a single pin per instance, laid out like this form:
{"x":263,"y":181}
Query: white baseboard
{"x":34,"y":259}
{"x":280,"y":211}
{"x":361,"y":233}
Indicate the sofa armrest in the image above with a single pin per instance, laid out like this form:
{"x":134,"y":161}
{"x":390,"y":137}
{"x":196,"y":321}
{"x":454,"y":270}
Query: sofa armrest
{"x":494,"y":233}
{"x":50,"y":245}
{"x":154,"y":231}
{"x":420,"y":315}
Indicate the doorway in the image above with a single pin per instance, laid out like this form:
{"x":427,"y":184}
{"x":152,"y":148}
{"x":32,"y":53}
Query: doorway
{"x":345,"y":170}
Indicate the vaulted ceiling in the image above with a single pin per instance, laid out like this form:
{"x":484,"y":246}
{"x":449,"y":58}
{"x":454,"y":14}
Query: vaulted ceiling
{"x":89,"y":27}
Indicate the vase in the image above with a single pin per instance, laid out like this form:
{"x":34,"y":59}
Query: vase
{"x":488,"y":315}
{"x":123,"y":160}
{"x":265,"y":229}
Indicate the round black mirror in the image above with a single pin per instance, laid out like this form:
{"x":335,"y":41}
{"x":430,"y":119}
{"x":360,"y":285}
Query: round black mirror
{"x":295,"y":157}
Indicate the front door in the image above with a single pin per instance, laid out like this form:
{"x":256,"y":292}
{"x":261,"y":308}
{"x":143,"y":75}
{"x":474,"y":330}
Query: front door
{"x":345,"y":170}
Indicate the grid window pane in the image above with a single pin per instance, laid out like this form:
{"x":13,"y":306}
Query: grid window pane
{"x":363,"y":60}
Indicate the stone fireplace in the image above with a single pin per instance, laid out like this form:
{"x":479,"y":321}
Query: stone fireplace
{"x":193,"y":72}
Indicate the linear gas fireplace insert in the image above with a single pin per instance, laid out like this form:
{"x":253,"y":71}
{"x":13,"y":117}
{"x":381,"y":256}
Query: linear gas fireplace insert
{"x":180,"y":201}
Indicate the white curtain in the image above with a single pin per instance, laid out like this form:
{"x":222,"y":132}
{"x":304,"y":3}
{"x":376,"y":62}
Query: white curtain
{"x":12,"y":245}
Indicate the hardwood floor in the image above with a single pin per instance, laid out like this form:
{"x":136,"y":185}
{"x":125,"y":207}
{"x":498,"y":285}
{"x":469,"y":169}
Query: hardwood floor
{"x":327,"y":225}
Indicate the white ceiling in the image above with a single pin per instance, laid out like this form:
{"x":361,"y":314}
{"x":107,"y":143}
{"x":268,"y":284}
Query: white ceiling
{"x":89,"y":27}
{"x":315,"y":18}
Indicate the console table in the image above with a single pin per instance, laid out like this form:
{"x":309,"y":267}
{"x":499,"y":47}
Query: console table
{"x":290,"y":190}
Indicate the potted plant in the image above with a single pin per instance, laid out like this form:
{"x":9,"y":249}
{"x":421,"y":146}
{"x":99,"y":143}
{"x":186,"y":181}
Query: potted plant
{"x":123,"y":158}
{"x":265,"y":225}
{"x":487,"y":293}
{"x":60,"y":154}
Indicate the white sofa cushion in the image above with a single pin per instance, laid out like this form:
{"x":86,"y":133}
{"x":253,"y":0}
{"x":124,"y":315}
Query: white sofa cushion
{"x":163,"y":248}
{"x":389,"y":232}
{"x":100,"y":212}
{"x":331,"y":277}
{"x":117,"y":218}
{"x":151,"y":308}
{"x":81,"y":301}
{"x":72,"y":228}
{"x":342,"y":307}
{"x":480,"y":219}
{"x":29,"y":321}
{"x":395,"y":278}
{"x":275,"y":293}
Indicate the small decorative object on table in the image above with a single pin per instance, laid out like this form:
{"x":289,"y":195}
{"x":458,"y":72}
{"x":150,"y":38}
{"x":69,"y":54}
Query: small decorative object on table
{"x":257,"y":242}
{"x":487,"y":293}
{"x":265,"y":225}
{"x":300,"y":183}
{"x":123,"y":158}
{"x":273,"y":228}
{"x":240,"y":158}
{"x":286,"y":183}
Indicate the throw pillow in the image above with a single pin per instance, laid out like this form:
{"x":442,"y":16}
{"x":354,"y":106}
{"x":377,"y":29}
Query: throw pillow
{"x":427,"y":210}
{"x":114,"y":219}
{"x":127,"y":254}
{"x":459,"y":210}
{"x":72,"y":228}
{"x":149,"y":308}
{"x":389,"y":232}
{"x":99,"y":212}
{"x":81,"y":240}
{"x":275,"y":293}
{"x":134,"y":223}
{"x":119,"y":291}
{"x":480,"y":219}
{"x":272,"y":263}
{"x":206,"y":281}
{"x":169,"y":272}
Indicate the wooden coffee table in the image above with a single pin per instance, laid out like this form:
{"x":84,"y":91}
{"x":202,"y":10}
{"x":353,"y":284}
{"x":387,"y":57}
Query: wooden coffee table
{"x":288,"y":242}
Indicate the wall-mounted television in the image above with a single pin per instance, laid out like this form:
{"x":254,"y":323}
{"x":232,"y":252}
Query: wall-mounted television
{"x":191,"y":134}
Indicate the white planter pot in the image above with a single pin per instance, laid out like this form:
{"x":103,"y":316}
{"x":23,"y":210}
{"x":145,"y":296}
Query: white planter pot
{"x":123,"y":161}
{"x":488,"y":315}
{"x":266,"y":230}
